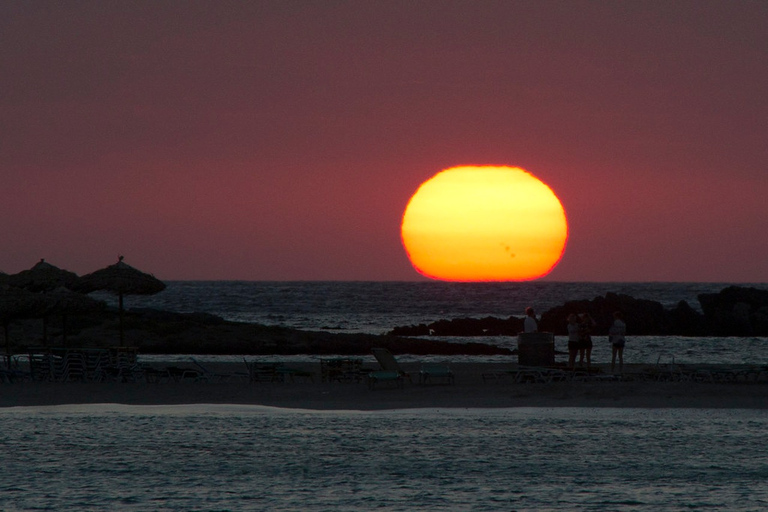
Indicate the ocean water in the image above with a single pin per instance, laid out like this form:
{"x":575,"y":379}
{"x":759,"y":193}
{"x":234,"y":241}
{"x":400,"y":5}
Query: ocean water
{"x":378,"y":307}
{"x":238,"y":458}
{"x":190,"y":458}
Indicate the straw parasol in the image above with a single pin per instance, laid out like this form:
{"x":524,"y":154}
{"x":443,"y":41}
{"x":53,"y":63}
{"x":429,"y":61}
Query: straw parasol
{"x":120,"y":279}
{"x":65,"y":302}
{"x":17,"y":303}
{"x":43,"y":277}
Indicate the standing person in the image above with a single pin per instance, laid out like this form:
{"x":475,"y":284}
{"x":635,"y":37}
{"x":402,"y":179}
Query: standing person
{"x":585,"y":339}
{"x":617,"y":336}
{"x":573,"y":339}
{"x":530,"y":325}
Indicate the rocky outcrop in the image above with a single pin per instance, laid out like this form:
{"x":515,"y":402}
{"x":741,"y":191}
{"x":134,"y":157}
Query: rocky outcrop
{"x":646,"y":317}
{"x":488,"y":326}
{"x":163,"y":332}
{"x":734,"y":311}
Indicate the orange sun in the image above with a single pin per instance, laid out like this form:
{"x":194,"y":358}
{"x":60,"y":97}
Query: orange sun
{"x":484,"y":224}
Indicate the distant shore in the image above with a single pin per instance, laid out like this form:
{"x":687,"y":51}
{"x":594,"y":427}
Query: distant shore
{"x":469,"y":391}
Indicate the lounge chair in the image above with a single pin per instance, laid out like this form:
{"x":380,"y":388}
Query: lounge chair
{"x":178,"y":374}
{"x":208,"y":375}
{"x":390,"y":369}
{"x":429,"y":372}
{"x":274,"y":372}
{"x":377,"y":376}
{"x":342,"y":369}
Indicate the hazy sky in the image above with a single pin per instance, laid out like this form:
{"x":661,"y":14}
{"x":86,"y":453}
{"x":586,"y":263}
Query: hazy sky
{"x":282,"y":140}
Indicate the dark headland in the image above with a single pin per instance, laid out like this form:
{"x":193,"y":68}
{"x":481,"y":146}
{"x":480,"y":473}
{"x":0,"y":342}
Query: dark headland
{"x":734,"y":311}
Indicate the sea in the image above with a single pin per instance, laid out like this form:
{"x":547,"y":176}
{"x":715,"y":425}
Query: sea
{"x":378,"y":307}
{"x":224,"y":457}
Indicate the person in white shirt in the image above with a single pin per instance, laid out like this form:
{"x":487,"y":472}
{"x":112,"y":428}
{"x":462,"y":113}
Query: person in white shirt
{"x":617,"y":336}
{"x":530,"y":325}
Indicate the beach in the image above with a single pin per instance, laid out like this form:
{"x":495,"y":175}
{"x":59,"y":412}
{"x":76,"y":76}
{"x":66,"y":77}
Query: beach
{"x":477,"y":385}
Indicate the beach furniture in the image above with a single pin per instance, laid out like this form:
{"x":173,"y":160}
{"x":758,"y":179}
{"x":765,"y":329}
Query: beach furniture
{"x":388,"y":362}
{"x":341,"y":369}
{"x":62,"y":364}
{"x":390,"y":369}
{"x":499,"y":376}
{"x":260,"y":371}
{"x":430,"y":372}
{"x":377,"y":376}
{"x":181,"y":374}
{"x":666,"y":370}
{"x":543,"y":375}
{"x":210,"y":376}
{"x":536,"y":349}
{"x":15,"y":373}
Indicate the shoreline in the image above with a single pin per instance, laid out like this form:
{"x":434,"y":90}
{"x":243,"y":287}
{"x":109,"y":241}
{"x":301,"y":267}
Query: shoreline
{"x":470,"y":391}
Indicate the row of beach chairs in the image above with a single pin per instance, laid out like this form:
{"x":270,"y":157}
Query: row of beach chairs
{"x":668,"y":372}
{"x":80,"y":365}
{"x":544,"y":375}
{"x":98,"y":365}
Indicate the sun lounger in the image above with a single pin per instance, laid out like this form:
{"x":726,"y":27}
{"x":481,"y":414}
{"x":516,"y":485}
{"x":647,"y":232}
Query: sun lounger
{"x":260,"y":371}
{"x":341,"y":370}
{"x":210,"y":376}
{"x":377,"y":376}
{"x":499,"y":376}
{"x":178,"y":374}
{"x":431,"y":372}
{"x":388,"y":362}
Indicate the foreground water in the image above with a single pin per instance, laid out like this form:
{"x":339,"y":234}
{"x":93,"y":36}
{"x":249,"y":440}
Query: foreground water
{"x":251,"y":458}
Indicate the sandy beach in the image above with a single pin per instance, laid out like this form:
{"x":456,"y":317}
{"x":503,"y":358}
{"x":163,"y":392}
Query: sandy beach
{"x":470,"y":390}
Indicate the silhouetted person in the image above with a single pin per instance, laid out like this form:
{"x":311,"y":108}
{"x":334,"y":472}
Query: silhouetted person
{"x":617,"y":337}
{"x":573,"y":339}
{"x":530,"y":325}
{"x":585,"y":339}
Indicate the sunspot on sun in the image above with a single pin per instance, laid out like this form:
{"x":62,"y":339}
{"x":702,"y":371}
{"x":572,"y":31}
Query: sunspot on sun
{"x":484,"y":224}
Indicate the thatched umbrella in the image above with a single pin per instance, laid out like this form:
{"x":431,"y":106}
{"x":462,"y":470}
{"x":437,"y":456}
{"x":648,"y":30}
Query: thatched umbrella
{"x":65,"y":302}
{"x":17,"y":303}
{"x":43,"y":277}
{"x":120,"y":279}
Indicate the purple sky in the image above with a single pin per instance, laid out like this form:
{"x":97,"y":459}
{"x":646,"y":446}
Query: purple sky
{"x":282,"y":140}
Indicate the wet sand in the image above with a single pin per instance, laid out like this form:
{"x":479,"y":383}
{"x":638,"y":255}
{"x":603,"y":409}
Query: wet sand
{"x":469,"y":391}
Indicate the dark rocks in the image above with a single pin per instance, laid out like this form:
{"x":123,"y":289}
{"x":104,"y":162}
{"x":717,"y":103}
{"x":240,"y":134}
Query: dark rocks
{"x":646,"y":317}
{"x":686,"y":321}
{"x":163,"y":332}
{"x":489,"y":326}
{"x":734,"y":311}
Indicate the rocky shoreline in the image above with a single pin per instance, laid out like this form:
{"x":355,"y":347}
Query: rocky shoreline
{"x":734,"y":311}
{"x":162,"y":332}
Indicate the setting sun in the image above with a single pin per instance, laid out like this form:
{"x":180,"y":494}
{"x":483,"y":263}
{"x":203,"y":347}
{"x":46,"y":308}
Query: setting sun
{"x":484,"y":224}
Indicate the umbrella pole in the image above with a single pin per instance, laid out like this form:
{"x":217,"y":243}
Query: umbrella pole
{"x":120,"y":302}
{"x":7,"y":346}
{"x":64,"y":328}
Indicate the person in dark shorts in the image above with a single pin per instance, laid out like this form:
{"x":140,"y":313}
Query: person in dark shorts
{"x":617,"y":336}
{"x":573,"y":339}
{"x":586,"y":324}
